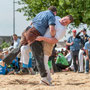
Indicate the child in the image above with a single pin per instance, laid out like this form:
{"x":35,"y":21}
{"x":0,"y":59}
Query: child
{"x":2,"y":65}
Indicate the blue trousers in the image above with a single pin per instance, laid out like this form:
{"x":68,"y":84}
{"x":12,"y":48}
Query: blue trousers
{"x":87,"y":65}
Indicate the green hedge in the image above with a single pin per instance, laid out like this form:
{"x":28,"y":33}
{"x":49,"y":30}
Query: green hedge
{"x":4,"y":45}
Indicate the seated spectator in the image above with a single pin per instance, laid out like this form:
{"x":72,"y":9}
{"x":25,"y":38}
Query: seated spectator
{"x":2,"y":65}
{"x":61,"y":62}
{"x":62,"y":50}
{"x":15,"y":64}
{"x":13,"y":68}
{"x":64,"y":53}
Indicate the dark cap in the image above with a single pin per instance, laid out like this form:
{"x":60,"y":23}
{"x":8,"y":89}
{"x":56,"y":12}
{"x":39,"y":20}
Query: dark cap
{"x":84,"y":29}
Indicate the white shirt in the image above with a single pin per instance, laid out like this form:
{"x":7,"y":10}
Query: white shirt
{"x":60,"y":30}
{"x":16,"y":43}
{"x":68,"y":57}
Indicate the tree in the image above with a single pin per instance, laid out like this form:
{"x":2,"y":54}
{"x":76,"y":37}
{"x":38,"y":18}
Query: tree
{"x":79,"y":9}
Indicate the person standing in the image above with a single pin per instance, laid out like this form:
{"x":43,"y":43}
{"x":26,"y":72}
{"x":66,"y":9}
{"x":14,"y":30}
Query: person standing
{"x":87,"y":48}
{"x":49,"y":41}
{"x":74,"y":44}
{"x":84,"y":39}
{"x":39,"y":26}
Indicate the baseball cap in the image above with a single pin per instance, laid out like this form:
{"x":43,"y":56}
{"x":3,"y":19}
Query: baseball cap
{"x":74,"y":31}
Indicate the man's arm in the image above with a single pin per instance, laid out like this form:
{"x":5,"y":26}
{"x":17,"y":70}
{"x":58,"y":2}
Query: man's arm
{"x":51,"y":23}
{"x":87,"y":52}
{"x":69,"y":41}
{"x":78,"y":34}
{"x":87,"y":56}
{"x":52,"y":30}
{"x":69,"y":44}
{"x":48,"y":40}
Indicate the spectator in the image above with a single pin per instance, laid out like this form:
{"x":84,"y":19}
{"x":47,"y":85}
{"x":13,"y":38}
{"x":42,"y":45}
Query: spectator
{"x":73,"y":42}
{"x":2,"y":65}
{"x":16,"y":44}
{"x":62,"y":62}
{"x":87,"y":48}
{"x":84,"y":39}
{"x":84,"y":36}
{"x":16,"y":41}
{"x":62,"y":50}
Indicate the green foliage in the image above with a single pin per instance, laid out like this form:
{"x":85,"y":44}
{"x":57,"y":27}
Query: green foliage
{"x":79,"y":9}
{"x":4,"y":45}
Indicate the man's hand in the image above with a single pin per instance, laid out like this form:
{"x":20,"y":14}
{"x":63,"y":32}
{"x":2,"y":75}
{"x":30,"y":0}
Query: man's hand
{"x":87,"y":57}
{"x":46,"y":39}
{"x":39,"y":38}
{"x":72,"y":43}
{"x":81,"y":31}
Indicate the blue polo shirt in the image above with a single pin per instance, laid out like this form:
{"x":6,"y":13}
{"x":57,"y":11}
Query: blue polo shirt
{"x":2,"y":69}
{"x":42,"y":21}
{"x":87,"y":46}
{"x":76,"y":45}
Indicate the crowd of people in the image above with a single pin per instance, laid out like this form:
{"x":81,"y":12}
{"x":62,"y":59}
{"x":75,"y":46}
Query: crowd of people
{"x":37,"y":48}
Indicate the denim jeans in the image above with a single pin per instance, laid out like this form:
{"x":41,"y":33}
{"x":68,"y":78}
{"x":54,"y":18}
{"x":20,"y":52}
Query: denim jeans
{"x":37,"y":51}
{"x":87,"y":65}
{"x":75,"y":57}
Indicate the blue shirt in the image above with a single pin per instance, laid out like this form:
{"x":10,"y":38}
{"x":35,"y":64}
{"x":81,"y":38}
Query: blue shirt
{"x":76,"y":45}
{"x":87,"y":46}
{"x":25,"y":65}
{"x":15,"y":62}
{"x":2,"y":69}
{"x":42,"y":21}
